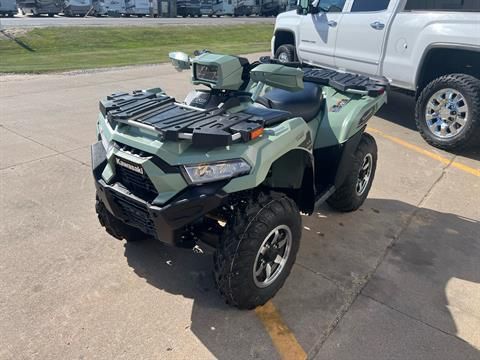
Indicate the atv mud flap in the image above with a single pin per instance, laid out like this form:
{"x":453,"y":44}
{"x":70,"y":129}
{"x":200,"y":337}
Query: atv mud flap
{"x":165,"y":223}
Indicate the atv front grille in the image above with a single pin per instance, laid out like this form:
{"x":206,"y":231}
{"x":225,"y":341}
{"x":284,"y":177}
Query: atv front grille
{"x":138,"y":184}
{"x":135,"y":215}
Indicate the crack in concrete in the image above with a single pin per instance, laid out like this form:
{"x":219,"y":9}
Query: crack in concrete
{"x":413,"y":318}
{"x":56,"y":152}
{"x":357,"y":291}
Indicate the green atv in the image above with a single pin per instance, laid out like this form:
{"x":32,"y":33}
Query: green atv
{"x":236,"y":163}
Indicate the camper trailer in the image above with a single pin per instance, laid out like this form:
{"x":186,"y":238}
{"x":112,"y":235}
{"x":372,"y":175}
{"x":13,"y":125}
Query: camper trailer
{"x":137,"y":7}
{"x":39,"y":7}
{"x":272,"y":7}
{"x":291,"y":5}
{"x":245,"y":7}
{"x":188,"y":8}
{"x":223,"y":7}
{"x":77,"y":7}
{"x":109,"y":7}
{"x":8,"y":7}
{"x":206,"y":7}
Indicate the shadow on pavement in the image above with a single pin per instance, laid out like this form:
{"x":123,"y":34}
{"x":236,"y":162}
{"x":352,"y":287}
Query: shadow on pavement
{"x":435,"y":248}
{"x":400,"y":110}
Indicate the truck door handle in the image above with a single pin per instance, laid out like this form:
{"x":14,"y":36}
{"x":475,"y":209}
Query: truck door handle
{"x":332,"y":23}
{"x":377,"y":25}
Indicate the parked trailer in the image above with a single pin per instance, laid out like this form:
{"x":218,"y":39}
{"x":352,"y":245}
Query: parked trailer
{"x":109,"y":8}
{"x":291,"y":5}
{"x":137,"y":7}
{"x":188,"y":8}
{"x":223,"y":7}
{"x":206,"y":7}
{"x":8,"y":7}
{"x":39,"y":7}
{"x":273,"y":7}
{"x":244,"y":7}
{"x":77,"y":7}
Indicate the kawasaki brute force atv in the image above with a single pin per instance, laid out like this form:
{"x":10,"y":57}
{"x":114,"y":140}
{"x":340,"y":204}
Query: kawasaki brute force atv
{"x":236,"y":163}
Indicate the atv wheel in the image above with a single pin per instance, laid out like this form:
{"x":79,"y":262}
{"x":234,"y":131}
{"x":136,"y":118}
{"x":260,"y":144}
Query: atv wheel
{"x":115,"y":227}
{"x":257,"y":249}
{"x":353,"y":192}
{"x":448,"y":111}
{"x":286,"y":53}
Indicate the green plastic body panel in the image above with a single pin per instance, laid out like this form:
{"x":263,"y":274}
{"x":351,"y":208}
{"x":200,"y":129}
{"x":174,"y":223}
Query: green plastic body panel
{"x":229,"y":71}
{"x":335,"y":125}
{"x":278,"y":76}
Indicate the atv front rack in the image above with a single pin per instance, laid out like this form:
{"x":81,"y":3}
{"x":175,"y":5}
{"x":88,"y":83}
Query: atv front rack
{"x":174,"y":121}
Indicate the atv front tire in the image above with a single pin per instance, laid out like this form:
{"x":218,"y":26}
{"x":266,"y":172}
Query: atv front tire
{"x":257,"y":249}
{"x":353,"y":192}
{"x":115,"y":227}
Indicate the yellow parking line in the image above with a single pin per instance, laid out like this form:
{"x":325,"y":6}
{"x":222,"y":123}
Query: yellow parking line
{"x":430,"y":154}
{"x":282,"y":337}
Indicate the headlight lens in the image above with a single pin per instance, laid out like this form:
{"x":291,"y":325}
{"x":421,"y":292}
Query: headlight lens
{"x":203,"y":173}
{"x":105,"y":143}
{"x":206,"y":72}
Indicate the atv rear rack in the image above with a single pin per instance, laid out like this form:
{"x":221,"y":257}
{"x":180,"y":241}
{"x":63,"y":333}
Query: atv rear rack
{"x":173,"y":121}
{"x":341,"y":81}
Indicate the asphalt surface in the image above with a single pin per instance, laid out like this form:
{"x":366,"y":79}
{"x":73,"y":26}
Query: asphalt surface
{"x":398,"y":279}
{"x":45,"y":21}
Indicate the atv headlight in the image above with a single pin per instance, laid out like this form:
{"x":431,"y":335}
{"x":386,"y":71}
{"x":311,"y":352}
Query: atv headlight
{"x":203,"y":173}
{"x":106,"y":144}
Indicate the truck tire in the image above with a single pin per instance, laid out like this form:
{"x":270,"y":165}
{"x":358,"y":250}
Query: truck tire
{"x":286,"y":53}
{"x":257,"y":249}
{"x":354,"y":190}
{"x":447,"y":112}
{"x":115,"y":227}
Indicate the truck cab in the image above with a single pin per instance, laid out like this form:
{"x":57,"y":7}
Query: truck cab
{"x":412,"y":43}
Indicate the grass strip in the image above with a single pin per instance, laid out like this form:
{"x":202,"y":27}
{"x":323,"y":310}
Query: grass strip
{"x":73,"y":48}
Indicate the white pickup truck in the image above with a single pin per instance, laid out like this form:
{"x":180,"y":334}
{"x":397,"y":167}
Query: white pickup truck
{"x":429,"y":48}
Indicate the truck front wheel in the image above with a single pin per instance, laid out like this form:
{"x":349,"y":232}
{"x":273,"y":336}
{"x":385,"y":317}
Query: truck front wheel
{"x":257,"y":249}
{"x":448,"y":111}
{"x":286,"y":53}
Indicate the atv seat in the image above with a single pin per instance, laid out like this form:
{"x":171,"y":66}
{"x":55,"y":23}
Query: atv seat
{"x":305,"y":103}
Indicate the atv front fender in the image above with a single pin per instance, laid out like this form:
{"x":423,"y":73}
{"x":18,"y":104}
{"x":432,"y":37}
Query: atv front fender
{"x":278,"y":141}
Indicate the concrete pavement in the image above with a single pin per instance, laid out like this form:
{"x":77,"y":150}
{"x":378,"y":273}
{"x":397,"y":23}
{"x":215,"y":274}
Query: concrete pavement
{"x":398,"y":279}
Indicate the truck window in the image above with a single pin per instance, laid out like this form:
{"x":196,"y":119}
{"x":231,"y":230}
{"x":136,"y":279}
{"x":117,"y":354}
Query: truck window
{"x":439,"y":5}
{"x":330,"y":5}
{"x":369,"y":5}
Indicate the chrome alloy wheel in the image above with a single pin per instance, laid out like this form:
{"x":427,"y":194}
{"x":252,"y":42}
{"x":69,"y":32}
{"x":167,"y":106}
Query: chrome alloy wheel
{"x":364,"y":174}
{"x":446,"y":113}
{"x":272,"y":256}
{"x":283,"y":57}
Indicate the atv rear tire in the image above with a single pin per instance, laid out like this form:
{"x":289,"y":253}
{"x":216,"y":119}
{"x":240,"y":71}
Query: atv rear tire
{"x":447,"y":114}
{"x":353,"y":192}
{"x":286,"y":53}
{"x":257,"y":249}
{"x":115,"y":227}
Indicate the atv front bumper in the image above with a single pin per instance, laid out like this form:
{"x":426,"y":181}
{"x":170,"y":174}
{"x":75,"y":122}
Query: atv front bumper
{"x":166,"y":223}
